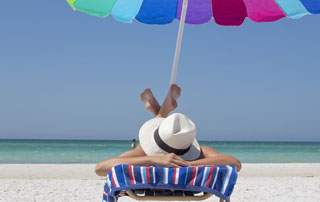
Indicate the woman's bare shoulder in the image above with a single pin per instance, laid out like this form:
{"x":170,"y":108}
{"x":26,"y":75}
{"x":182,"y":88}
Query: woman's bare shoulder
{"x":138,"y":151}
{"x":208,"y":151}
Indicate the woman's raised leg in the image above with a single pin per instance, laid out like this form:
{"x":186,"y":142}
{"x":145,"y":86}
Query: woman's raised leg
{"x":151,"y":103}
{"x":170,"y":103}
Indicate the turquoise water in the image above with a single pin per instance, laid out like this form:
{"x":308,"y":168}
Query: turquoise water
{"x":93,"y":151}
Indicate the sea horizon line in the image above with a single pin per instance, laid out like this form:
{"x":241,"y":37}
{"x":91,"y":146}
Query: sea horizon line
{"x":200,"y":140}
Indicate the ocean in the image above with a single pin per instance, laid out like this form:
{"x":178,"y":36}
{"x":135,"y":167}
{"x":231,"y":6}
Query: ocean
{"x":93,"y":151}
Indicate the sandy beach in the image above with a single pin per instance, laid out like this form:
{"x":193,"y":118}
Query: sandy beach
{"x":77,"y":182}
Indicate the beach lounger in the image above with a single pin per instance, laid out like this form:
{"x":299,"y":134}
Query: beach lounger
{"x":169,"y":184}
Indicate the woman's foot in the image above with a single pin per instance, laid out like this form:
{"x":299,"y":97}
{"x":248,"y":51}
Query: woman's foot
{"x":170,"y":103}
{"x":151,"y":103}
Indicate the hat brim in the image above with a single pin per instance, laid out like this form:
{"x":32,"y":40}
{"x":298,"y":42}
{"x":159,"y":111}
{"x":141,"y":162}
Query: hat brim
{"x":150,"y":147}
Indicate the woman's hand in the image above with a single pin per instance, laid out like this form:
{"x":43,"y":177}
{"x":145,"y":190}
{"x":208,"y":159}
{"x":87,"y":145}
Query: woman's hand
{"x":238,"y":165}
{"x":168,"y":160}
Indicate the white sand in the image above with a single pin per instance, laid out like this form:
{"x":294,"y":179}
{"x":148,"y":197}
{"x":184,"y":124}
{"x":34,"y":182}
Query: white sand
{"x":64,"y":183}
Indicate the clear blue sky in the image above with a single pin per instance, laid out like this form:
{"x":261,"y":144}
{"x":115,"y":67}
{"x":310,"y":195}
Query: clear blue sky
{"x":65,"y":74}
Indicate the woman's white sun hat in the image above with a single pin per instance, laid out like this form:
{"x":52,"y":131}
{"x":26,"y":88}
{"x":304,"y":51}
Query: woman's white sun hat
{"x":174,"y":134}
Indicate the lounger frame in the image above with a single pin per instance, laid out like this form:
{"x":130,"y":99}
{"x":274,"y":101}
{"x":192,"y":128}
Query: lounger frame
{"x":168,"y":198}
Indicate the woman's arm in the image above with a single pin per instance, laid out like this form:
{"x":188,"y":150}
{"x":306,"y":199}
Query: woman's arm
{"x":133,"y":157}
{"x":139,"y":158}
{"x":212,"y":157}
{"x":103,"y":167}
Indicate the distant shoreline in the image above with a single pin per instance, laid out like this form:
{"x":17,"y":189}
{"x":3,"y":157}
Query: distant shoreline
{"x":21,"y":151}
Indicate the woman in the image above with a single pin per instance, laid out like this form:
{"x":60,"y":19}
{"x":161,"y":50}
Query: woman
{"x":167,"y":141}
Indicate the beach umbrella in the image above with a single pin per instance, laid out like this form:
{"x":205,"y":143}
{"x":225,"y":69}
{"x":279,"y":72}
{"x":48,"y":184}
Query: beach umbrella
{"x":223,"y":12}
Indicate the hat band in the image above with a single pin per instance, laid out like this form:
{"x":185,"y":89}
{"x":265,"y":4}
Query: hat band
{"x":166,"y":147}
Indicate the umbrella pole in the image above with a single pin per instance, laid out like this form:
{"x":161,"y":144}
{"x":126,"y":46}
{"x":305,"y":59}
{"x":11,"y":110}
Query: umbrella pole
{"x":179,"y":40}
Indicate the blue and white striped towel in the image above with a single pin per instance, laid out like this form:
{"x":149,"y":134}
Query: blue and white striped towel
{"x":218,"y":180}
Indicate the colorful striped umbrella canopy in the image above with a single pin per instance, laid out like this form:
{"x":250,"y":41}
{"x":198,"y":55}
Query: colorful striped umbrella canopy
{"x":224,"y":12}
